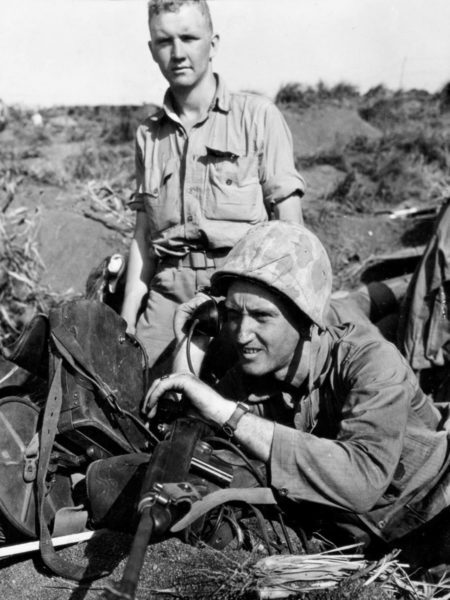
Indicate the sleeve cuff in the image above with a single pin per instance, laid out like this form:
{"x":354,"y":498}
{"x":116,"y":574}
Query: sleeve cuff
{"x":277,"y":189}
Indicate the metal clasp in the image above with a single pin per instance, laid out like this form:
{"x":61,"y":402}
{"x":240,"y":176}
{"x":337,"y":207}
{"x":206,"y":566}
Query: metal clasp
{"x":31,"y":458}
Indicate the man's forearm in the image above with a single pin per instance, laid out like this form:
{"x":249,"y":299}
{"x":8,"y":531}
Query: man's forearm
{"x":289,"y":209}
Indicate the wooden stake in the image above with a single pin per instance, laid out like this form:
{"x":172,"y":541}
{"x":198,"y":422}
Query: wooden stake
{"x":63,"y":540}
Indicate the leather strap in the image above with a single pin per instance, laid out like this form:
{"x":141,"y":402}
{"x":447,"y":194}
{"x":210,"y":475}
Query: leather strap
{"x":49,"y":425}
{"x":230,"y":426}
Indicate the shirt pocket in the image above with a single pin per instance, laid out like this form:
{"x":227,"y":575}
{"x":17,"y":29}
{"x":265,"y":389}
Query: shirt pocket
{"x":233,"y":189}
{"x":161,"y":196}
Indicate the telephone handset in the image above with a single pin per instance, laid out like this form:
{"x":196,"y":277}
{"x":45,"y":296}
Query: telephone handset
{"x":208,"y":318}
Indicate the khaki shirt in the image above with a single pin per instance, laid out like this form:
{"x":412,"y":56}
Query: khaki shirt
{"x":365,"y":439}
{"x":206,"y":188}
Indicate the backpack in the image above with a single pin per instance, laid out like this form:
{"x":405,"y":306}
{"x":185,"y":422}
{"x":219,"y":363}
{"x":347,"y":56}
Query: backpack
{"x":95,"y":378}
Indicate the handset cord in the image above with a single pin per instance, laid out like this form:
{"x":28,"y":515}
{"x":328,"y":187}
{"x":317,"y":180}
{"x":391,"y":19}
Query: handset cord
{"x":194,"y":324}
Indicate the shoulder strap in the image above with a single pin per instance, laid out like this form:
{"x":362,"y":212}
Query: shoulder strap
{"x":51,"y":415}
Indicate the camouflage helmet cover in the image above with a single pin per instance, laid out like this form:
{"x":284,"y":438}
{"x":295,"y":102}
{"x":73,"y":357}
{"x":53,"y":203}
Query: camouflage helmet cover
{"x":288,"y":258}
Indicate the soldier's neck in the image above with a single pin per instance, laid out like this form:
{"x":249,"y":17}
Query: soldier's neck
{"x":192,"y":105}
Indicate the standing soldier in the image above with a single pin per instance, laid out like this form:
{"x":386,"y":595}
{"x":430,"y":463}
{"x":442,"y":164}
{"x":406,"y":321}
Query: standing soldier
{"x":210,"y":164}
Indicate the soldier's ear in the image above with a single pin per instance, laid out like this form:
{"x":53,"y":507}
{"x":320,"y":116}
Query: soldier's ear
{"x":214,"y":46}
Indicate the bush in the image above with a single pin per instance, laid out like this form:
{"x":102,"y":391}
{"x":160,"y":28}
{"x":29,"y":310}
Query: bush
{"x":303,"y":96}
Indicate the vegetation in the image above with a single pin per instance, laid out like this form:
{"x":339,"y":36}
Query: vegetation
{"x":83,"y":158}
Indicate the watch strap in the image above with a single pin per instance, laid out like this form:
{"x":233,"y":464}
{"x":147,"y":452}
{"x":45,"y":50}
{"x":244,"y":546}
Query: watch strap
{"x":230,"y":426}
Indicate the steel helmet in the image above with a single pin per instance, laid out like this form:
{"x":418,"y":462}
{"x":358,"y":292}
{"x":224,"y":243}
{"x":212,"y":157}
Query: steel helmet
{"x":286,"y":257}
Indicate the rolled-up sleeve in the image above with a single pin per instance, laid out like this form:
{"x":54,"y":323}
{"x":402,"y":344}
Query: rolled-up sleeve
{"x":137,"y":199}
{"x":278,"y":175}
{"x":354,"y":469}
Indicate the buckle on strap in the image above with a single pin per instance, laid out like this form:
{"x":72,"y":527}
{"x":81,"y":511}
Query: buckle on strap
{"x":199,"y":259}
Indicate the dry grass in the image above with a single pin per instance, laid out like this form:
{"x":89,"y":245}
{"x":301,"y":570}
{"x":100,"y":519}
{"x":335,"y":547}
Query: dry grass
{"x":21,"y":294}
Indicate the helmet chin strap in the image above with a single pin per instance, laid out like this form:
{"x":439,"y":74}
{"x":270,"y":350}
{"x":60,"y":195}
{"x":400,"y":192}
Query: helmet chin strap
{"x":313,"y":351}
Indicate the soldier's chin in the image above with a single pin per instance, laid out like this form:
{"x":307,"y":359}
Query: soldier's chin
{"x":253,"y":368}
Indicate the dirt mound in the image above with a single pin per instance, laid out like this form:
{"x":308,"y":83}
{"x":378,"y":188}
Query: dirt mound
{"x":319,"y":129}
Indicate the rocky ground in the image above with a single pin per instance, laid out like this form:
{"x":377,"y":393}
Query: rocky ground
{"x":66,"y":175}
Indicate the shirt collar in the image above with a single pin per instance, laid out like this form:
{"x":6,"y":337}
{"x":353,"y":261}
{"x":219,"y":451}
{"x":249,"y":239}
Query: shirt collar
{"x":260,"y":389}
{"x":221,"y":101}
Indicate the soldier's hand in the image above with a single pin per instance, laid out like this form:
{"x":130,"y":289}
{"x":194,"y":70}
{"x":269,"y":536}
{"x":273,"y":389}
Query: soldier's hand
{"x":184,"y":313}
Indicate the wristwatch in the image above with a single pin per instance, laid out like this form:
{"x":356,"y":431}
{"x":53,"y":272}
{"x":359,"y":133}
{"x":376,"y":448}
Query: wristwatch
{"x":230,"y":426}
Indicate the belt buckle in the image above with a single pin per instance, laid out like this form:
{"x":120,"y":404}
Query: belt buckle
{"x":198,"y":259}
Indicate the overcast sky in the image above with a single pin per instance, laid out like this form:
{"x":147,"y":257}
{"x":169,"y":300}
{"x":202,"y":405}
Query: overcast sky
{"x":95,"y":51}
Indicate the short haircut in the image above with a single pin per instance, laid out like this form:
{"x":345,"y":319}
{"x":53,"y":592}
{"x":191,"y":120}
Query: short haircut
{"x":155,"y":7}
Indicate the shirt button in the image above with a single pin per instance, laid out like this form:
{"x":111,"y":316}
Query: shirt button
{"x":283,"y":492}
{"x":228,"y":182}
{"x":381,"y":524}
{"x":190,"y":219}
